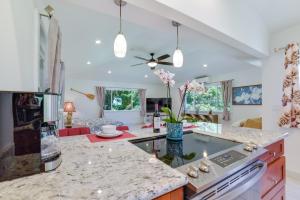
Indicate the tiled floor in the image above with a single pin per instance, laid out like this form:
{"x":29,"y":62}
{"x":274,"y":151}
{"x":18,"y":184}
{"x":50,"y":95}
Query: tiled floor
{"x":292,"y":189}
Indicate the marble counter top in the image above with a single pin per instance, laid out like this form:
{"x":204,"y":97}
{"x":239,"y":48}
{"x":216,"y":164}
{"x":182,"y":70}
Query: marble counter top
{"x":114,"y":170}
{"x":260,"y":137}
{"x":104,"y":170}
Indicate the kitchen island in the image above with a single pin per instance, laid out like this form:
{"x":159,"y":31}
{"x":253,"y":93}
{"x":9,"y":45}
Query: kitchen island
{"x":115,"y":170}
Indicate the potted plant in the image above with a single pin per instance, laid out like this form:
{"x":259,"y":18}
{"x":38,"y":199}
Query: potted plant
{"x":174,"y":122}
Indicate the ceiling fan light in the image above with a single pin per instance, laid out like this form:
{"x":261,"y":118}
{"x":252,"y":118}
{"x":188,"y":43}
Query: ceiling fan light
{"x":177,"y":58}
{"x":152,"y":64}
{"x":120,"y":46}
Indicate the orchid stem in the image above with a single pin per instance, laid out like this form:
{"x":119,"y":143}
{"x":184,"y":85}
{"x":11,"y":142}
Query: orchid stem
{"x":182,"y":100}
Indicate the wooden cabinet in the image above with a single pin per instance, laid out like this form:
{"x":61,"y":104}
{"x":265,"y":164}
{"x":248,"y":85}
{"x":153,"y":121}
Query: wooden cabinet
{"x":280,"y":195}
{"x":173,"y":195}
{"x":273,"y":181}
{"x":275,"y":151}
{"x":275,"y":174}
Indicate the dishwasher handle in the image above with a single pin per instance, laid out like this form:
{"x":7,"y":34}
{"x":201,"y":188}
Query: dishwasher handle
{"x":247,"y":184}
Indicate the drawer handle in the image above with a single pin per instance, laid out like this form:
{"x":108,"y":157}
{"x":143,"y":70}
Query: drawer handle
{"x":274,"y":180}
{"x":274,"y":154}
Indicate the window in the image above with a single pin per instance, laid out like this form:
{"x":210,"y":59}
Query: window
{"x":210,"y":100}
{"x":124,"y":99}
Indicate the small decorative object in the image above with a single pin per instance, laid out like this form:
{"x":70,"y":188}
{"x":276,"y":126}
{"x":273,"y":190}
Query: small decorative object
{"x":250,"y":146}
{"x":204,"y":165}
{"x":89,"y":96}
{"x":254,"y":145}
{"x":174,"y":123}
{"x":69,"y":108}
{"x":247,"y":95}
{"x":192,"y":172}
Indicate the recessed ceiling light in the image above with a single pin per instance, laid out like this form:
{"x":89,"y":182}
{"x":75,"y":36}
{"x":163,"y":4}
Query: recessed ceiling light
{"x":146,"y":76}
{"x":98,"y":42}
{"x":109,"y":71}
{"x":205,"y":65}
{"x":88,"y":62}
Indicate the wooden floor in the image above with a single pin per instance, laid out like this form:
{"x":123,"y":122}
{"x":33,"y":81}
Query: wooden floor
{"x":292,"y":189}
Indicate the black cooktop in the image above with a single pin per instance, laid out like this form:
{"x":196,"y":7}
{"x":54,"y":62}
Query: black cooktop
{"x":178,"y":153}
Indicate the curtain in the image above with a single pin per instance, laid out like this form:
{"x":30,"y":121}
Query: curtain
{"x":54,"y":56}
{"x":61,"y":89}
{"x":226,"y":93}
{"x":142,"y":95}
{"x":100,"y":91}
{"x":62,"y":92}
{"x":290,"y":117}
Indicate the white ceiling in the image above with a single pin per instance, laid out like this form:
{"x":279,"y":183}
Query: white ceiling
{"x":145,"y":33}
{"x":277,"y":14}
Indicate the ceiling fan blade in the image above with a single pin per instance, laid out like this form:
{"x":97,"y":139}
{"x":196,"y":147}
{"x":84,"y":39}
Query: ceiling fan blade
{"x":138,"y":57}
{"x":163,"y":57}
{"x":165,"y":63}
{"x":137,"y":64}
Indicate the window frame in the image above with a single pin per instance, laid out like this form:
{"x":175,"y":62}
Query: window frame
{"x":111,"y":89}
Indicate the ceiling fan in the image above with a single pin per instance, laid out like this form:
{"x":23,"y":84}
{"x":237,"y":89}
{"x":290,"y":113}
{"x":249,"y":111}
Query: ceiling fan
{"x":153,"y":62}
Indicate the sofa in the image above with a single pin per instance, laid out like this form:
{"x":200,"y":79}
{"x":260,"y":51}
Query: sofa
{"x":249,"y":123}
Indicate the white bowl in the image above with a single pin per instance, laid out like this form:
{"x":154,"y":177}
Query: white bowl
{"x":109,"y":129}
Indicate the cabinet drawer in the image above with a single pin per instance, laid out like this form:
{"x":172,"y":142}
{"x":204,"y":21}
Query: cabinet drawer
{"x":280,"y":195}
{"x":174,"y":195}
{"x":275,"y":174}
{"x":274,"y":151}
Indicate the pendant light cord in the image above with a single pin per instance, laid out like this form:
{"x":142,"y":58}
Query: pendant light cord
{"x":120,"y":16}
{"x":177,"y":37}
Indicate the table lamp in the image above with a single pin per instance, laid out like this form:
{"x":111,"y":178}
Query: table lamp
{"x":69,"y":108}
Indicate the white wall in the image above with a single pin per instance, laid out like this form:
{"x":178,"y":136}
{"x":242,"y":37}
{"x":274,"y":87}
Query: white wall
{"x":272,"y":75}
{"x":233,"y":22}
{"x":241,"y":78}
{"x":88,"y":109}
{"x":18,"y":49}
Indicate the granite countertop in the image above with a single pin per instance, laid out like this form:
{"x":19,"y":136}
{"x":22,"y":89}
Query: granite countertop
{"x":103,"y":170}
{"x":261,"y":138}
{"x":114,"y":170}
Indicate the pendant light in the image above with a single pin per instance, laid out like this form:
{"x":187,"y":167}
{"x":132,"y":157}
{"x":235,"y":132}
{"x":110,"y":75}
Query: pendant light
{"x":120,"y":44}
{"x":177,"y":56}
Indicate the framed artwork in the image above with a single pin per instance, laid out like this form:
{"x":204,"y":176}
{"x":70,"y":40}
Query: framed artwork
{"x":247,"y":95}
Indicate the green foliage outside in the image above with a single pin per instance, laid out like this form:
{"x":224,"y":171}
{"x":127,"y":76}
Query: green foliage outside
{"x":121,"y":100}
{"x":210,"y":100}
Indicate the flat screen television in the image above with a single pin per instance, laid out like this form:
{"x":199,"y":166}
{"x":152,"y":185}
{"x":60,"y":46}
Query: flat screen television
{"x":162,"y":102}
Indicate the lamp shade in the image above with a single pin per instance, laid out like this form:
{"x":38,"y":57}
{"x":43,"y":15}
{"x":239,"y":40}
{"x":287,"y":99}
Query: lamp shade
{"x":120,"y":46}
{"x":177,"y":58}
{"x":69,"y":107}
